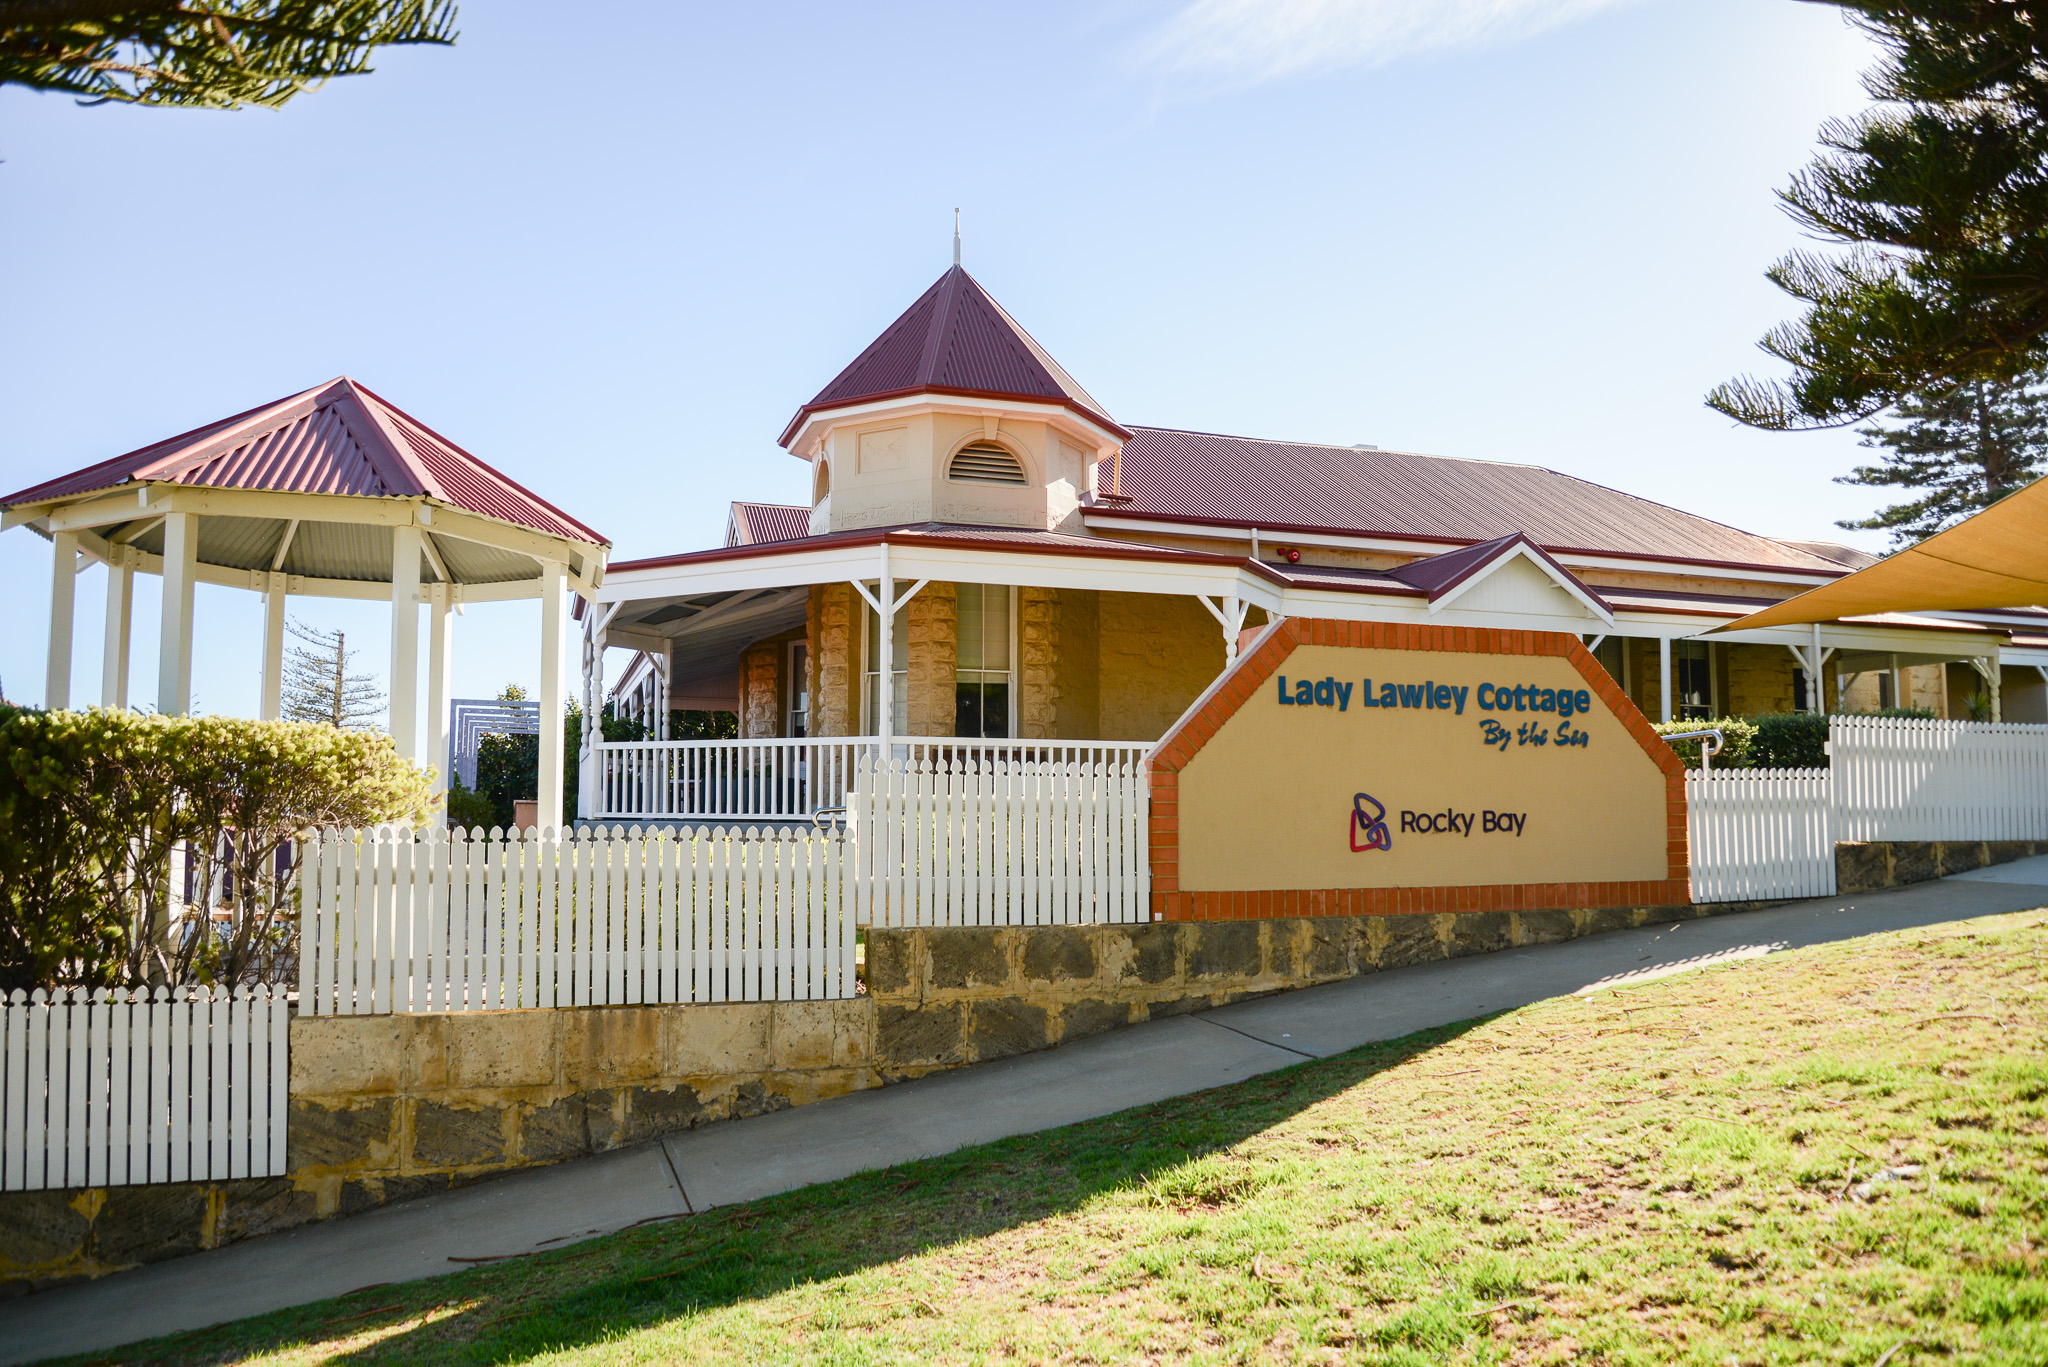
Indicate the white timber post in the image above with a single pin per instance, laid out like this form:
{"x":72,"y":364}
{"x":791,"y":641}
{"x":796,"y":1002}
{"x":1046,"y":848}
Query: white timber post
{"x":63,"y":597}
{"x":405,"y":640}
{"x":588,"y":780}
{"x":174,"y":652}
{"x":885,"y":685}
{"x":271,"y":705}
{"x":661,"y":693}
{"x":120,"y":623}
{"x":1664,"y":676}
{"x":554,"y":608}
{"x":440,"y":670}
{"x":1816,"y":690}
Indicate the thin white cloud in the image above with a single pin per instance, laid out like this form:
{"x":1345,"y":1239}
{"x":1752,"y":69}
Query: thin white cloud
{"x":1248,"y":41}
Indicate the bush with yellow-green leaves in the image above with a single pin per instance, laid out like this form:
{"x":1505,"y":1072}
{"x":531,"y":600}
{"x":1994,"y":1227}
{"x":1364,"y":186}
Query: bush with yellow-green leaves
{"x":93,"y":804}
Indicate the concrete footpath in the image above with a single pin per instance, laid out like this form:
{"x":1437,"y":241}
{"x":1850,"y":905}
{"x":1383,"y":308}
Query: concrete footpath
{"x":747,"y":1159}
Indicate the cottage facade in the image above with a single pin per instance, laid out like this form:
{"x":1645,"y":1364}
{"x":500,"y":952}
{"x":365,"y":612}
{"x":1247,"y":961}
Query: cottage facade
{"x":1052,"y":574}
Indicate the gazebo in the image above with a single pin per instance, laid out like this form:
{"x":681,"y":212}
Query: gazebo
{"x":331,"y":493}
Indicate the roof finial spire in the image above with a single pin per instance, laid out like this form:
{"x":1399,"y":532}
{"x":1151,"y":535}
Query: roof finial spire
{"x":956,"y":236}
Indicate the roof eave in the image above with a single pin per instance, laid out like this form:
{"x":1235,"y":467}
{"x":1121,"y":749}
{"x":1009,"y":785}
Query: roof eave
{"x":811,"y":410}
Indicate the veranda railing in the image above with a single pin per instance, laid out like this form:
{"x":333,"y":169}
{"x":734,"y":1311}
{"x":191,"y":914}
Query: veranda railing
{"x":787,"y":780}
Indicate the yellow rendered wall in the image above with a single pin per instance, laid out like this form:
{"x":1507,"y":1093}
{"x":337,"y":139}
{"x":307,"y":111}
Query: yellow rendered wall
{"x":1268,"y":801}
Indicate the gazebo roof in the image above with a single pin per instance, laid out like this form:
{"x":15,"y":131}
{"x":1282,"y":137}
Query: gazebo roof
{"x":338,"y":438}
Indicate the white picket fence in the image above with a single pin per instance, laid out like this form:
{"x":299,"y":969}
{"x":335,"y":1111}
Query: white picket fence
{"x":394,"y":919}
{"x":979,"y":839}
{"x":1902,"y":778}
{"x":118,"y":1088}
{"x":1769,"y":833}
{"x":1760,"y":833}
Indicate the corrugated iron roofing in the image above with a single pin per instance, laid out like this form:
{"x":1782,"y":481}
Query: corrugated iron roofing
{"x":955,"y":339}
{"x":754,"y":523}
{"x":340,"y":438}
{"x":1299,"y":486}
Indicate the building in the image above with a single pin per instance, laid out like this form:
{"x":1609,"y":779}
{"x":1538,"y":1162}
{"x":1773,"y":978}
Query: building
{"x":1058,"y":575}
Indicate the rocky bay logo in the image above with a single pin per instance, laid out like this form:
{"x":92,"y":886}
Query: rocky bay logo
{"x":1369,"y":825}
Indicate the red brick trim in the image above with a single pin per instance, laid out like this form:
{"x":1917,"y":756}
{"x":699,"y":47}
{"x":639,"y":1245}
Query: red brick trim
{"x":1251,"y":672}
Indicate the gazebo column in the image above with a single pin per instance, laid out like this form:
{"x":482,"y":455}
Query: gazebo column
{"x":405,"y":640}
{"x":63,"y":598}
{"x":554,"y":612}
{"x":174,"y":653}
{"x":440,"y":662}
{"x":120,"y":624}
{"x":270,"y":706}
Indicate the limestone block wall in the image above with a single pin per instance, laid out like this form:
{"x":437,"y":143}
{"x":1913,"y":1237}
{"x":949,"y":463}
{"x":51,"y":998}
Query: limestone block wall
{"x":388,"y":1107}
{"x":1159,"y":651}
{"x":760,"y":690}
{"x":1077,"y":693}
{"x":1038,"y":652}
{"x":1759,"y":679}
{"x":932,"y":627}
{"x":1865,"y":866}
{"x":835,"y":672}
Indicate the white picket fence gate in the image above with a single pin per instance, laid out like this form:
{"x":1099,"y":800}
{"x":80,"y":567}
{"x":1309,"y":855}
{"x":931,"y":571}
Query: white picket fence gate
{"x":1760,"y":833}
{"x":117,"y":1088}
{"x":1767,"y":833}
{"x":394,"y":919}
{"x":1902,"y":778}
{"x":990,"y":839}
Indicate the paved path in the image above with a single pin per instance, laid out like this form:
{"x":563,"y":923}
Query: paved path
{"x":744,"y":1160}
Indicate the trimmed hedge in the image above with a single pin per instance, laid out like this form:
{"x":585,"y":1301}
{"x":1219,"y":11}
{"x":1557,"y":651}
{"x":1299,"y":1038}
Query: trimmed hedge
{"x":94,"y":802}
{"x":1774,"y":740}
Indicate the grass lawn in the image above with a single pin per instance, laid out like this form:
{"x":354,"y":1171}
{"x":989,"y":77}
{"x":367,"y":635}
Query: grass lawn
{"x":1675,"y":1171}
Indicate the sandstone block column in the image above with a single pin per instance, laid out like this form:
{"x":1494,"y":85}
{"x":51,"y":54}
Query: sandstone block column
{"x":932,"y":625}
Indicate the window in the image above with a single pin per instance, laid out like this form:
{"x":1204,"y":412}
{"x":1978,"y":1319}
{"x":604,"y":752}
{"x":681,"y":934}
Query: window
{"x":982,"y":688}
{"x":984,"y":463}
{"x":823,"y":482}
{"x":1692,"y":680}
{"x":871,"y":707}
{"x":797,"y":686}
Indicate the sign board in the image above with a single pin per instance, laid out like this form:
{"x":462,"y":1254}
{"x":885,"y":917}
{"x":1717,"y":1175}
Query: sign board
{"x":1344,"y":768}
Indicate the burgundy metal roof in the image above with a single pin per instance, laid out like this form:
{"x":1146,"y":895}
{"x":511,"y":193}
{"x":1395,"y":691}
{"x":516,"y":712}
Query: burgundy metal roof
{"x":337,"y":439}
{"x":1281,"y":486}
{"x":754,"y":523}
{"x":950,"y":534}
{"x":954,"y":340}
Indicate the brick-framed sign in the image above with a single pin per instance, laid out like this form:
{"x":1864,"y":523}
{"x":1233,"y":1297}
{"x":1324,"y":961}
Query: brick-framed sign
{"x":1357,"y":768}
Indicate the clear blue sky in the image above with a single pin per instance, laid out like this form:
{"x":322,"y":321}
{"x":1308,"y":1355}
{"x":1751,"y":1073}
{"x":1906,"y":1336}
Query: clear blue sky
{"x":610,"y":248}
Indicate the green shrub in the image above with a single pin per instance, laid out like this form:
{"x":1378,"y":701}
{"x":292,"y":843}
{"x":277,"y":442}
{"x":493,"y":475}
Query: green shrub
{"x":1737,"y":735}
{"x":1790,"y":740}
{"x":94,"y":802}
{"x":469,"y":809}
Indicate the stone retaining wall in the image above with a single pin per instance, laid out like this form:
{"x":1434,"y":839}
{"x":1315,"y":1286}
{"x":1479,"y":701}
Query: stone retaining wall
{"x":1866,"y":866}
{"x":384,"y":1108}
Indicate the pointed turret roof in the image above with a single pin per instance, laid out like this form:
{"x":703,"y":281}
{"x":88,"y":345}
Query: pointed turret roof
{"x":954,"y":340}
{"x":337,"y":438}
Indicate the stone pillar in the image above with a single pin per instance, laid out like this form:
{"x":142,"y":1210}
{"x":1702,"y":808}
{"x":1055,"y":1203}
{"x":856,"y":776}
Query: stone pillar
{"x":834,"y":660}
{"x":932,"y":625}
{"x":760,"y":692}
{"x":1038,"y":640}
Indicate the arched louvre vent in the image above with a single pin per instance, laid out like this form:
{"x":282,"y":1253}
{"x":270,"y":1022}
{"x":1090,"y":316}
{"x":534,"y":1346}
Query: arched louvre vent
{"x":979,"y":464}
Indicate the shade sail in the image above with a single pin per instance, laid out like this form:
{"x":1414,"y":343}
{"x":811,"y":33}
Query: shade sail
{"x":1996,"y":559}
